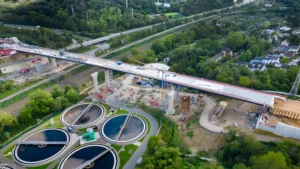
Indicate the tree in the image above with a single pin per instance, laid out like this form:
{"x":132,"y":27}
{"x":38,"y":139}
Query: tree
{"x":270,"y":160}
{"x":40,"y":102}
{"x":57,"y":91}
{"x":245,"y":81}
{"x":234,"y":40}
{"x":284,"y":60}
{"x":213,"y":165}
{"x":240,"y":166}
{"x":57,"y":105}
{"x":7,"y":120}
{"x":72,"y":96}
{"x":7,"y":135}
{"x":65,"y":102}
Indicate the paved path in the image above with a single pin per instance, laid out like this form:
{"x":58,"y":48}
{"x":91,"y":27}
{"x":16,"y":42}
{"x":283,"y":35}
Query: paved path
{"x":204,"y":121}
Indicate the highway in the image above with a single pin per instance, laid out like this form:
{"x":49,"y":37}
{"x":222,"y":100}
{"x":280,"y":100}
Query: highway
{"x":232,"y":91}
{"x":106,"y":38}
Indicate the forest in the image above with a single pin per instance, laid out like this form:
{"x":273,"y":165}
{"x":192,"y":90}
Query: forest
{"x":95,"y":18}
{"x":189,"y":52}
{"x":43,"y":37}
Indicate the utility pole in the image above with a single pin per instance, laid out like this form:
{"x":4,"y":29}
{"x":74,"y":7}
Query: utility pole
{"x":87,"y":15}
{"x":294,"y":89}
{"x":72,"y":10}
{"x":132,"y":13}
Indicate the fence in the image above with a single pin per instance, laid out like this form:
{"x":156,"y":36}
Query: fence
{"x":28,"y":129}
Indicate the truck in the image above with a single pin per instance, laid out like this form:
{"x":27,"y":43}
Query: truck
{"x":119,"y":63}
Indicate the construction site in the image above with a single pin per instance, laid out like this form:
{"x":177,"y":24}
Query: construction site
{"x":189,"y":107}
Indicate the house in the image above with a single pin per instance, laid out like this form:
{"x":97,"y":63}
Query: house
{"x":269,"y":31}
{"x":272,"y":59}
{"x":284,"y":28}
{"x":257,"y":66}
{"x":281,"y":48}
{"x":268,"y":5}
{"x":278,"y":65}
{"x":222,"y":54}
{"x":296,"y":32}
{"x":293,"y":48}
{"x":289,"y":54}
{"x":285,"y":43}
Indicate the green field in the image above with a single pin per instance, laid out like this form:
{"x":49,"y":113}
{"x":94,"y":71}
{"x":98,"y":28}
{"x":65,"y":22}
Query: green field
{"x":125,"y":155}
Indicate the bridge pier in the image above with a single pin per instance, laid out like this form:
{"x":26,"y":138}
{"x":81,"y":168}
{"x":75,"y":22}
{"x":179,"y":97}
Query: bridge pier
{"x":107,"y":73}
{"x":95,"y":82}
{"x":53,"y":61}
{"x":170,"y":109}
{"x":39,"y":67}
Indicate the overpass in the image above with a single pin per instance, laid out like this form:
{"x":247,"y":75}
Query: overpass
{"x":241,"y":93}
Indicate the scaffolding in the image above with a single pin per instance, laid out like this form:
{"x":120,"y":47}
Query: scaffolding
{"x":294,"y":89}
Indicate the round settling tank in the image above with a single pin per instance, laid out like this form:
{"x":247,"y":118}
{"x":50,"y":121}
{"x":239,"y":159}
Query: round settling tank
{"x":41,"y":146}
{"x":123,"y":129}
{"x":101,"y":156}
{"x":90,"y":114}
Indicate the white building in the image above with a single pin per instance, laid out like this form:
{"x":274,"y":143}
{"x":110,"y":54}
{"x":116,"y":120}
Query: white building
{"x":284,"y":28}
{"x":268,"y":5}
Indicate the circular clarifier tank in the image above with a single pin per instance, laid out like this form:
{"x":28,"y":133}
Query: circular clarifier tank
{"x":91,"y":157}
{"x":123,"y":128}
{"x":92,"y":114}
{"x":41,"y":146}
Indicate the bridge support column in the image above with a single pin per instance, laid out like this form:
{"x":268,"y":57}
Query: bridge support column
{"x":39,"y":67}
{"x":170,"y":109}
{"x":107,"y":77}
{"x":53,"y":61}
{"x":95,"y":82}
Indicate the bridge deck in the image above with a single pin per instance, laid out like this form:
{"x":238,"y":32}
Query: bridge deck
{"x":43,"y":142}
{"x":240,"y":93}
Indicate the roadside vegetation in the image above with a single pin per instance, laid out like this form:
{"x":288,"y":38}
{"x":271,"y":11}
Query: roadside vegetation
{"x":40,"y":105}
{"x":8,"y":87}
{"x":83,"y":49}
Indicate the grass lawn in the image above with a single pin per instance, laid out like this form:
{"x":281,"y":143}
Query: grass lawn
{"x":122,"y":112}
{"x":56,"y":124}
{"x":10,"y":149}
{"x":125,"y":156}
{"x":42,"y":166}
{"x":141,"y":140}
{"x":17,"y":88}
{"x":116,"y":147}
{"x":171,"y":13}
{"x":83,"y":49}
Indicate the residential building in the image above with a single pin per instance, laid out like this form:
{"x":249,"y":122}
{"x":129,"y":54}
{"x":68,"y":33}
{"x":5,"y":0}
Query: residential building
{"x":284,"y":28}
{"x":222,"y":54}
{"x":296,"y":32}
{"x":293,"y":48}
{"x":268,"y":5}
{"x":257,"y":66}
{"x":285,"y":43}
